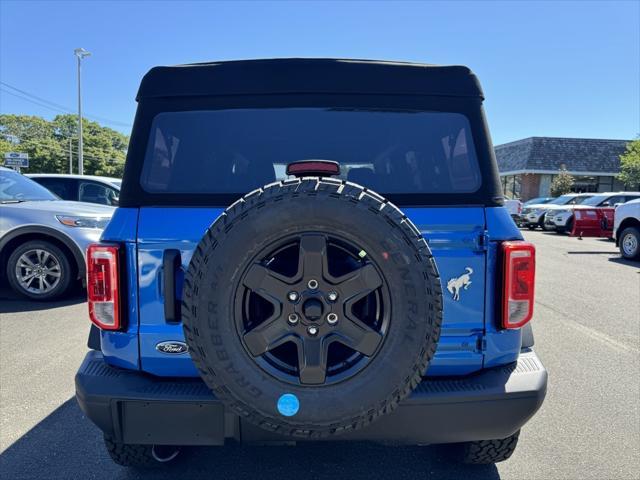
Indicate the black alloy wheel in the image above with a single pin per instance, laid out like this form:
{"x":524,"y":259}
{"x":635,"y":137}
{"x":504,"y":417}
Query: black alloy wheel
{"x":314,"y":309}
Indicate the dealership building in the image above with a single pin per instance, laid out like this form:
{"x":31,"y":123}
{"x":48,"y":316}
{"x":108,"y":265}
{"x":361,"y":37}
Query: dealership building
{"x":527,"y":167}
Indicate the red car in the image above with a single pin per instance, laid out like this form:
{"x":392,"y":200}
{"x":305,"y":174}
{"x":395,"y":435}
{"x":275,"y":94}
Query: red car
{"x":564,"y":219}
{"x":593,"y":222}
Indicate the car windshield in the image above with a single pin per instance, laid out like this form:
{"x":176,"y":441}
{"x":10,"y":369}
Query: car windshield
{"x":116,"y":183}
{"x":236,"y":151}
{"x":568,"y":199}
{"x":593,"y":201}
{"x":15,"y":187}
{"x":562,"y":200}
{"x":536,"y":201}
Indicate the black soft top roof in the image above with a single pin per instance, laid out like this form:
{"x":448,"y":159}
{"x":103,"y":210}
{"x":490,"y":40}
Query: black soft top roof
{"x":308,"y":75}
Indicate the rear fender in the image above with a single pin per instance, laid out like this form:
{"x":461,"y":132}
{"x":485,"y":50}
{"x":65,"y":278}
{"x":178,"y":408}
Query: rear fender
{"x":20,"y":234}
{"x":121,"y":348}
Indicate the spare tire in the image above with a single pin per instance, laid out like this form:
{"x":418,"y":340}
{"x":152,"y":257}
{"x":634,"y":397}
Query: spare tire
{"x":312,"y":306}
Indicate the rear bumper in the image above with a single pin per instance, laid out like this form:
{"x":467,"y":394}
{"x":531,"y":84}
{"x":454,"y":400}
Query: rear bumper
{"x":134,"y":407}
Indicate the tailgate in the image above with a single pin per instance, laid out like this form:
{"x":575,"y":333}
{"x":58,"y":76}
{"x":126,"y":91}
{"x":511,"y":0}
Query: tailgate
{"x":455,"y":235}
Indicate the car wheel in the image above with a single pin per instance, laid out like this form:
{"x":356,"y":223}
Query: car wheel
{"x":531,"y":226}
{"x":630,"y":243}
{"x":293,"y":328}
{"x":140,"y":456}
{"x":568,"y":228}
{"x":548,"y":228}
{"x":39,"y":270}
{"x":488,"y":451}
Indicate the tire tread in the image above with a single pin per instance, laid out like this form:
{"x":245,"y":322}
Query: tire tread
{"x":361,"y":197}
{"x":130,"y":455}
{"x":490,"y":451}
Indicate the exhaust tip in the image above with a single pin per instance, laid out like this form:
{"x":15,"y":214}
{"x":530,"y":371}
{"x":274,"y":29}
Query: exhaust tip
{"x":164,"y":453}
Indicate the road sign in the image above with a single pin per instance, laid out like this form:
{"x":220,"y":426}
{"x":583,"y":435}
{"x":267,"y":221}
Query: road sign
{"x":16,"y":159}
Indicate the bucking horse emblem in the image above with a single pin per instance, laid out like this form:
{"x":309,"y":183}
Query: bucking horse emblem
{"x":457,"y":283}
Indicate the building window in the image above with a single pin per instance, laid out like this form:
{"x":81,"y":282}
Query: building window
{"x":517,"y":186}
{"x":605,"y":184}
{"x":545,"y":185}
{"x":618,"y":186}
{"x":583,"y":184}
{"x":512,"y":185}
{"x":509,"y":184}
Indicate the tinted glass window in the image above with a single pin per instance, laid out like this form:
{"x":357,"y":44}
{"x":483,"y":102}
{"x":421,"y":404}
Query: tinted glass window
{"x":538,"y":200}
{"x":593,"y":201}
{"x":63,"y":187}
{"x":93,"y":192}
{"x":611,"y":201}
{"x":570,"y":200}
{"x":563,"y":200}
{"x":580,"y":200}
{"x":599,"y":200}
{"x":235,"y":151}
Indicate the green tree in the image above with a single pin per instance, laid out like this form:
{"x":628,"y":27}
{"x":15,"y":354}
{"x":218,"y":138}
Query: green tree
{"x":562,"y":183}
{"x":32,"y":135}
{"x":48,"y":143}
{"x":630,"y":165}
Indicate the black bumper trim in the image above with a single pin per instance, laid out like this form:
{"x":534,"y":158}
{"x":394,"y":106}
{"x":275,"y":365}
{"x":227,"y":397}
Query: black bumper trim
{"x":134,"y":407}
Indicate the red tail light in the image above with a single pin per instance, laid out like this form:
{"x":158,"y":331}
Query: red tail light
{"x":519,"y":280}
{"x":103,"y":286}
{"x":308,"y":168}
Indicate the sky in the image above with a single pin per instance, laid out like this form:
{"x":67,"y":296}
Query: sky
{"x":564,"y":69}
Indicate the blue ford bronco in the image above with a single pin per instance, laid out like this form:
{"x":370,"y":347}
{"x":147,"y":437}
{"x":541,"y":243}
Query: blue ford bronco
{"x":310,"y":250}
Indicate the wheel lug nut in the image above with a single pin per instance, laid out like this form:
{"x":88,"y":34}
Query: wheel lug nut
{"x":293,"y":296}
{"x":312,"y":284}
{"x":312,"y":330}
{"x":293,"y":318}
{"x":332,"y":319}
{"x":332,"y":296}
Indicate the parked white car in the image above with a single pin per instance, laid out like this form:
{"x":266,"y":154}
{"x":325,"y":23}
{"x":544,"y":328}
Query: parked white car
{"x":514,"y":207}
{"x":626,"y":229}
{"x":562,"y":218}
{"x":533,"y":215}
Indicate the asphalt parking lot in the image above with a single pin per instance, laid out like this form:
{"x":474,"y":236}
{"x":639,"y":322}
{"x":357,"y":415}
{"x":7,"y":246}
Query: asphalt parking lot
{"x":587,"y":330}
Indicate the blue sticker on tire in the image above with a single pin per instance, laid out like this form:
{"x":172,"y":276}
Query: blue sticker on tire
{"x":288,"y":405}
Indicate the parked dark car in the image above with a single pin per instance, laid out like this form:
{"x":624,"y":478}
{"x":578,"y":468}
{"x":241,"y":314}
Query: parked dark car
{"x":81,"y":188}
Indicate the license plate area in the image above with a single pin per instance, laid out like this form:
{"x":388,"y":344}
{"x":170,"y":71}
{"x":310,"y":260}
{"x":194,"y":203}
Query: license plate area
{"x":172,"y":423}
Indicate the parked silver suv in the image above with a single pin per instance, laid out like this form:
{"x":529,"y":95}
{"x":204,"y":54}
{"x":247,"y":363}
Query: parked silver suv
{"x":42,"y":238}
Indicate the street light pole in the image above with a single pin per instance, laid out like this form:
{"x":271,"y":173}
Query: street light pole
{"x":80,"y":53}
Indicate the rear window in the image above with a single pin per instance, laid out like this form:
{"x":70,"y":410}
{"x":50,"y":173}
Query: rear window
{"x":237,"y":150}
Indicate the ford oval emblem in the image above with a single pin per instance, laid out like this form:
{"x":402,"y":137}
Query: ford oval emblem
{"x":172,"y":348}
